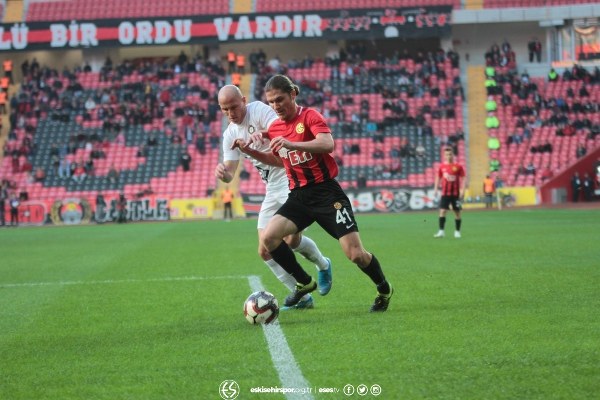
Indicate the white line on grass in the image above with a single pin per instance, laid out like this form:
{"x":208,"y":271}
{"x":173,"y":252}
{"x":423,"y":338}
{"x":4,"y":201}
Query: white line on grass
{"x":288,"y":370}
{"x":116,"y":281}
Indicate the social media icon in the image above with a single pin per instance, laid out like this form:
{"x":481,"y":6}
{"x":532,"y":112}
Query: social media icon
{"x":375,"y":390}
{"x":348,"y":390}
{"x":362,"y":389}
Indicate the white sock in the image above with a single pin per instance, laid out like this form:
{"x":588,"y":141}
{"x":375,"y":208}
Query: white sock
{"x":309,"y":250}
{"x":281,"y":274}
{"x":284,"y":277}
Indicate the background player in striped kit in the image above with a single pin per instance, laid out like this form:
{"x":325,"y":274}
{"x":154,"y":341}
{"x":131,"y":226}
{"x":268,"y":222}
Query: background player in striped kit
{"x":451,"y":175}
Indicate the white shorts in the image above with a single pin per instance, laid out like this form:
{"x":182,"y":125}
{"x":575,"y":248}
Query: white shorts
{"x":273,"y":200}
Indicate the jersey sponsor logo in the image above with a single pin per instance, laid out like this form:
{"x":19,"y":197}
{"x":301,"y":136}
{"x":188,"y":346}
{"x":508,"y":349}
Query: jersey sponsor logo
{"x":300,"y":128}
{"x":449,"y":178}
{"x":283,"y":153}
{"x":298,"y":157}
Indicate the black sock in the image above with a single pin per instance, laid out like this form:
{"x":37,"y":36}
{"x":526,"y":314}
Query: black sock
{"x":458,"y":223}
{"x":442,"y":223}
{"x":373,"y":271}
{"x":285,"y":257}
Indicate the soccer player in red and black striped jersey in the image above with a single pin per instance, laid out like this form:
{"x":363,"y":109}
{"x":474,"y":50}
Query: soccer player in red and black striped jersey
{"x":302,"y":142}
{"x":453,"y":179}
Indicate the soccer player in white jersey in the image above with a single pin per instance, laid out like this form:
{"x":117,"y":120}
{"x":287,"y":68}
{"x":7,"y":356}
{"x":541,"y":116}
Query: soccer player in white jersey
{"x":246,"y":119}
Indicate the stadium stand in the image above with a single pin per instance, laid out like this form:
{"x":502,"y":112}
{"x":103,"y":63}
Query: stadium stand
{"x":543,"y":123}
{"x":275,"y":5}
{"x":124,"y":127}
{"x":405,"y":108}
{"x":43,"y":10}
{"x":531,"y":3}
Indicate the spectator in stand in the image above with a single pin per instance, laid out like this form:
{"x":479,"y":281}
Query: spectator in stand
{"x":498,"y":182}
{"x":378,"y":153}
{"x":14,"y":209}
{"x":79,"y":174}
{"x":535,"y":50}
{"x":521,"y":170}
{"x":492,"y":122}
{"x":495,"y":165}
{"x":113,"y":175}
{"x":530,"y":169}
{"x":588,"y":187}
{"x":185,"y":159}
{"x":39,"y":175}
{"x":122,"y":208}
{"x":581,"y":150}
{"x":490,"y":104}
{"x":3,"y":197}
{"x":575,"y":187}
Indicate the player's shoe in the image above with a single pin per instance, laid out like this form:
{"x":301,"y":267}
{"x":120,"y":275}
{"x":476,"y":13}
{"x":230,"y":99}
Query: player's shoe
{"x":382,"y":301}
{"x":440,"y":234}
{"x":457,"y":234}
{"x":299,"y":292}
{"x":325,"y":279}
{"x":302,"y":305}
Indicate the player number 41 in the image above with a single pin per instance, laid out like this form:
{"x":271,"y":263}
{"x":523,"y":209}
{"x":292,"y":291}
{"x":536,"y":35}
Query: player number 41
{"x":342,"y":216}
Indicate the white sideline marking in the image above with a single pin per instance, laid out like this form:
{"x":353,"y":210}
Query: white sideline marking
{"x":117,"y":281}
{"x":288,"y":370}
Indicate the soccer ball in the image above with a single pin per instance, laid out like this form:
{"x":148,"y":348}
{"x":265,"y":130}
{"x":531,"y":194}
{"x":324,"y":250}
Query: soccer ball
{"x":261,"y":308}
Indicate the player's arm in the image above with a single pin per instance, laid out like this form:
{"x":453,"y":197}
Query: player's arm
{"x":436,"y":185}
{"x":262,"y":156}
{"x":226,"y":170}
{"x":322,"y":143}
{"x":463,"y":187}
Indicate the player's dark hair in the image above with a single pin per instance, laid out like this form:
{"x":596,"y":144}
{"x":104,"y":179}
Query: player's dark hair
{"x":283,"y":83}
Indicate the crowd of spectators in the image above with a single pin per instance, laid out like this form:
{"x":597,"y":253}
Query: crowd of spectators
{"x":132,"y":93}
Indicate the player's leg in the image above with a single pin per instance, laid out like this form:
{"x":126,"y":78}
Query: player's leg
{"x":369,"y":264}
{"x":442,"y":217}
{"x":268,"y":208}
{"x":457,"y":222}
{"x":308,"y":249}
{"x":278,"y":228}
{"x":288,"y":281}
{"x":340,"y":223}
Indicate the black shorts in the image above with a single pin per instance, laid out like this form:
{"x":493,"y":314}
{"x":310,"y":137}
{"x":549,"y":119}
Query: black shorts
{"x":447,"y":201}
{"x":324,"y":203}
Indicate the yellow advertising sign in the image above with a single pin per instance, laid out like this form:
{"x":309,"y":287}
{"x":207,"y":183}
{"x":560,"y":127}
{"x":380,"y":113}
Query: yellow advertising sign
{"x":192,"y":208}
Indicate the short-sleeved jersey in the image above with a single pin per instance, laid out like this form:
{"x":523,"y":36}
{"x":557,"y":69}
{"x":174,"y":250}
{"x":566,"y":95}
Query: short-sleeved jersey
{"x":259,"y":117}
{"x":304,"y":168}
{"x":451,"y":175}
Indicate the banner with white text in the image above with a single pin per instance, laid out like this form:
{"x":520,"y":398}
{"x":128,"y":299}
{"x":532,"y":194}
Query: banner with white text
{"x":364,"y":24}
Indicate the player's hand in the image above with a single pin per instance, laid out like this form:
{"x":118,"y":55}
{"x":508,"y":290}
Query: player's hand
{"x":279,"y":143}
{"x":257,"y":139}
{"x":241,"y":145}
{"x":221,"y":172}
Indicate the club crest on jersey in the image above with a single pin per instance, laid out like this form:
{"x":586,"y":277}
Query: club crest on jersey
{"x":251,"y":129}
{"x":337,"y":205}
{"x":454,"y":168}
{"x":300,"y":128}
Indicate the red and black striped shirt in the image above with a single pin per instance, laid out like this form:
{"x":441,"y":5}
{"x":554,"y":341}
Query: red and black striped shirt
{"x":450,"y":175}
{"x":304,"y":168}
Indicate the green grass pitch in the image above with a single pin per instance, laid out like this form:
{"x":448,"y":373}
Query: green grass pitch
{"x":154,"y":311}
